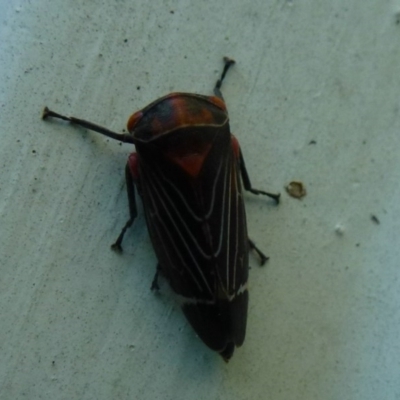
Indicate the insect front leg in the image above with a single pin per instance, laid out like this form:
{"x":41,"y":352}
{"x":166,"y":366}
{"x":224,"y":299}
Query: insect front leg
{"x":217,"y":89}
{"x":130,"y":188}
{"x":247,"y":183}
{"x":122,"y":137}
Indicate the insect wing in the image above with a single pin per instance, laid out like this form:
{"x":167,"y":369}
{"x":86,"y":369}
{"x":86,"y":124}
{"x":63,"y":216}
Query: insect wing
{"x":196,"y":219}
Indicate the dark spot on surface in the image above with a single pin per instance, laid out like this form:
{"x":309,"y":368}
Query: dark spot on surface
{"x":375,"y":219}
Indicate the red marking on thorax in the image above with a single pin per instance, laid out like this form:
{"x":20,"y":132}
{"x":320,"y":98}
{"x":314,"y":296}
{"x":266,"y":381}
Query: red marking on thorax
{"x":190,"y":162}
{"x":133,"y":162}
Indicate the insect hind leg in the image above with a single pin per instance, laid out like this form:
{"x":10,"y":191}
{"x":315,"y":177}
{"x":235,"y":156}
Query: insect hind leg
{"x":154,"y":283}
{"x":130,"y":188}
{"x":247,"y":183}
{"x":263,"y":257}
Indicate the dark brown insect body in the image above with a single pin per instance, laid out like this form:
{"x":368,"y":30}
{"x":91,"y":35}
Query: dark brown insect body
{"x":187,"y":169}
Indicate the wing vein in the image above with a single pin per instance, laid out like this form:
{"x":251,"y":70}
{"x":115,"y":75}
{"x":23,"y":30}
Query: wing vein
{"x":161,"y":202}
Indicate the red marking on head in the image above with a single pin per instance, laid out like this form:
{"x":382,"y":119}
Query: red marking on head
{"x":175,"y":111}
{"x":133,"y":120}
{"x":185,"y":112}
{"x":217,"y":102}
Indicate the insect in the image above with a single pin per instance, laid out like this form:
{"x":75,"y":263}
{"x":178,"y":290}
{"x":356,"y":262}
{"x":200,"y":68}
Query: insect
{"x":187,"y":168}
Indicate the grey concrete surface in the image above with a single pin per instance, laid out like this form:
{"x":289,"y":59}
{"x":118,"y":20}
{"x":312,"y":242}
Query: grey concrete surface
{"x":314,"y":97}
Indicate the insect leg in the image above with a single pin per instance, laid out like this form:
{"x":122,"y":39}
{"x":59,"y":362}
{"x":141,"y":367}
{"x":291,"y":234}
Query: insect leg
{"x":89,"y":125}
{"x":154,"y":284}
{"x":263,"y":257}
{"x":130,"y":188}
{"x":217,"y":89}
{"x":247,"y":183}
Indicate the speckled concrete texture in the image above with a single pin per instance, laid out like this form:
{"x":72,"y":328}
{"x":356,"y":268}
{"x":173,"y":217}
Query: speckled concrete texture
{"x":314,"y":97}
